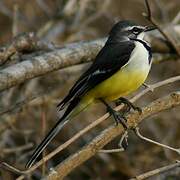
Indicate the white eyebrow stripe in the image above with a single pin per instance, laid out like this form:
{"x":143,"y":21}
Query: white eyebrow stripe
{"x":131,"y":27}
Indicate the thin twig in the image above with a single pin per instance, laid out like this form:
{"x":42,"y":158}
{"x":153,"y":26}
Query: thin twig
{"x":10,"y":168}
{"x":94,"y":124}
{"x":111,"y":150}
{"x":157,"y":171}
{"x":16,"y":149}
{"x":152,"y":87}
{"x":155,"y":142}
{"x":120,"y":144}
{"x":89,"y":150}
{"x":148,"y":15}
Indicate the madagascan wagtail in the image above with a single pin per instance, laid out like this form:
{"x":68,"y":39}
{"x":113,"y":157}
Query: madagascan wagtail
{"x":120,"y":67}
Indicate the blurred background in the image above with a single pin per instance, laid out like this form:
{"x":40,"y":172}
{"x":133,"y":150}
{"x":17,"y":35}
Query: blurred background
{"x":26,"y":123}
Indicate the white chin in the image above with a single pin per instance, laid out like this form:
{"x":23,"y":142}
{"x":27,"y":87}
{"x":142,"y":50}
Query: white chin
{"x":141,"y":36}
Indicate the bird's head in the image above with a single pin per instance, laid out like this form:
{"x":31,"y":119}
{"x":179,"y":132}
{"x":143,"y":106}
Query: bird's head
{"x":126,"y":30}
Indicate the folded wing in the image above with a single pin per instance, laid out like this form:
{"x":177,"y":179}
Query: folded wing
{"x":110,"y":59}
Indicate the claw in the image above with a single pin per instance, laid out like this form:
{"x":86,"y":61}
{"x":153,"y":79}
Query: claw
{"x":129,"y":105}
{"x":138,"y":109}
{"x":119,"y":118}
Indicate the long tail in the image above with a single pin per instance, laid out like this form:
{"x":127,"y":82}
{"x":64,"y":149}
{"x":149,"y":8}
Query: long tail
{"x":69,"y":113}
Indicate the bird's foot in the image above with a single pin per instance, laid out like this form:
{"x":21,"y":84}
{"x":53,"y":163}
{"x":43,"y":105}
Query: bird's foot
{"x":118,"y":117}
{"x":128,"y":104}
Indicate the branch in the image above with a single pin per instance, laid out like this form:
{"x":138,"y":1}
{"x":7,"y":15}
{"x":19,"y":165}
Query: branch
{"x":157,"y":171}
{"x":89,"y":150}
{"x":26,"y":42}
{"x":72,"y":54}
{"x":148,"y":15}
{"x":86,"y":129}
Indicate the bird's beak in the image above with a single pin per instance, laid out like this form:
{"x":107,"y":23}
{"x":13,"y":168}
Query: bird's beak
{"x":149,"y":28}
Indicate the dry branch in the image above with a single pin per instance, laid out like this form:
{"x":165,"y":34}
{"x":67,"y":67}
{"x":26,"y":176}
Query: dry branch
{"x":69,"y":55}
{"x":89,"y":150}
{"x":86,"y":129}
{"x":36,"y":66}
{"x":157,"y":171}
{"x":26,"y":42}
{"x":48,"y":62}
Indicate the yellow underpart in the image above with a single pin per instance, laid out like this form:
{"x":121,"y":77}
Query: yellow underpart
{"x":126,"y":80}
{"x":120,"y":84}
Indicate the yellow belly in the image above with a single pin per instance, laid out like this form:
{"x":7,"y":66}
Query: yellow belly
{"x":120,"y":84}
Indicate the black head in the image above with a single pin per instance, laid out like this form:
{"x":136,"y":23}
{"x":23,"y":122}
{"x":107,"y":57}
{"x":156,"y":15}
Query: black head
{"x":125,"y":30}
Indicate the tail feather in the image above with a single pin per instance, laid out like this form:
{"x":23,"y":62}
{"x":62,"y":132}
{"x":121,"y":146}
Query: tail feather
{"x":54,"y":131}
{"x":45,"y":142}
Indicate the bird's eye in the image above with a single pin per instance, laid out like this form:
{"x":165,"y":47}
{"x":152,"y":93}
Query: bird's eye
{"x":135,"y":30}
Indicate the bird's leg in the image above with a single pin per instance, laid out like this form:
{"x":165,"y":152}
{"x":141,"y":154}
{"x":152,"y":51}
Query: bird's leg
{"x":118,"y":116}
{"x":125,"y":109}
{"x":128,"y":104}
{"x":136,"y":130}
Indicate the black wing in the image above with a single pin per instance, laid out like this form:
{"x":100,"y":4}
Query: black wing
{"x":109,"y":60}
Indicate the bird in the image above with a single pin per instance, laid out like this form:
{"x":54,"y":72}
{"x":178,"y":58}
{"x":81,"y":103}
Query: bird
{"x":120,"y":67}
